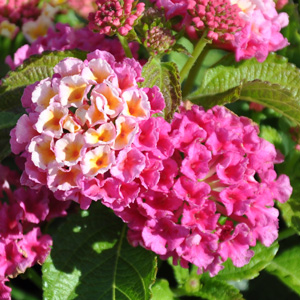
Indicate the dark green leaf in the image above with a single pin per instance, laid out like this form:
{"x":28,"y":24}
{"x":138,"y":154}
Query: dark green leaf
{"x":34,"y":69}
{"x":166,"y":77}
{"x":263,"y":256}
{"x":91,"y":259}
{"x":274,"y":83}
{"x":8,"y":119}
{"x":286,"y":267}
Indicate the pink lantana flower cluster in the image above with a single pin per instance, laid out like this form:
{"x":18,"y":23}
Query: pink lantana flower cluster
{"x":250,"y":28}
{"x":63,"y":37}
{"x":215,"y":197}
{"x":79,"y":129}
{"x":261,"y":34}
{"x":115,"y":16}
{"x":21,"y":243}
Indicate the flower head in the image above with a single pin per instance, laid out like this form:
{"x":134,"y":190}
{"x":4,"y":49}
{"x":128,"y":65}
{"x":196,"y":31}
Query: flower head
{"x":214,"y":195}
{"x":83,"y":124}
{"x":113,"y":16}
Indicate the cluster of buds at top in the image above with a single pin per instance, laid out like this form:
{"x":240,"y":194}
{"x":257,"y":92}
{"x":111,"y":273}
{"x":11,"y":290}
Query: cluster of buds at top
{"x":156,"y":32}
{"x":220,"y":18}
{"x":115,"y":16}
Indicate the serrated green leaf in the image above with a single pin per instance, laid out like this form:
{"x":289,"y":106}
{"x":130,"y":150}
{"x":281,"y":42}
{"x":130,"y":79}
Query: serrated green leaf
{"x":166,"y":77}
{"x":263,"y":256}
{"x":286,"y":266}
{"x":91,"y":259}
{"x":291,"y":209}
{"x":274,"y":83}
{"x":209,"y":101}
{"x":162,"y":291}
{"x":34,"y":69}
{"x":214,"y":289}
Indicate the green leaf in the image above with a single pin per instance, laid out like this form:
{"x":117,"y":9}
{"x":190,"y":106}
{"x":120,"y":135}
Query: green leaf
{"x":36,"y":68}
{"x":274,"y":83}
{"x":291,"y":209}
{"x":162,"y":291}
{"x":286,"y":267}
{"x":8,"y":119}
{"x":214,"y":289}
{"x":165,"y":75}
{"x":91,"y":259}
{"x":263,"y":256}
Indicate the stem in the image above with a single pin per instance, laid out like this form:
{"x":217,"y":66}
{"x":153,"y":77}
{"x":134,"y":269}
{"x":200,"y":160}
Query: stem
{"x":125,"y":45}
{"x":197,"y":51}
{"x":189,"y":83}
{"x":286,"y":234}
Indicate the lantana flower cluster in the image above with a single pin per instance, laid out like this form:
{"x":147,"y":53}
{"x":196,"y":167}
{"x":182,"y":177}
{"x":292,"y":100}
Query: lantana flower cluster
{"x":22,"y":211}
{"x":114,"y":16}
{"x":214,"y":198}
{"x":63,"y":37}
{"x":79,"y":128}
{"x":249,"y":28}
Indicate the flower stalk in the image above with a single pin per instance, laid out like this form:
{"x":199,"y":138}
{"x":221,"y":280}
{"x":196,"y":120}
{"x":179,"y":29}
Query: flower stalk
{"x":196,"y":53}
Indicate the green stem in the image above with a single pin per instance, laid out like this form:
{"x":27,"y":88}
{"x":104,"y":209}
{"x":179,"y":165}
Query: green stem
{"x":189,"y":83}
{"x":125,"y":45}
{"x":197,"y":51}
{"x":286,"y":234}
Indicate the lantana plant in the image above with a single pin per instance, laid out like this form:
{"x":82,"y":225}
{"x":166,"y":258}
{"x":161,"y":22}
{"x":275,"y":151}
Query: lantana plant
{"x":149,"y":149}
